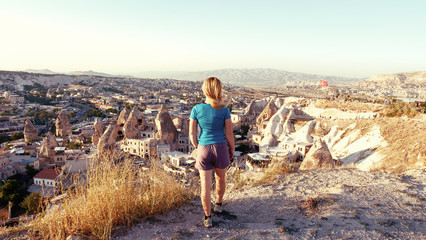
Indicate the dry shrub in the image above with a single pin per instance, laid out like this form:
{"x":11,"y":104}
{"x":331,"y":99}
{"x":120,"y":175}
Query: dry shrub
{"x":268,"y":175}
{"x":310,"y":205}
{"x":114,"y":192}
{"x":4,"y":212}
{"x":399,"y":109}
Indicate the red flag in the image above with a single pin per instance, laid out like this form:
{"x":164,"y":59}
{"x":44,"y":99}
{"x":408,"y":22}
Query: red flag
{"x":323,"y":83}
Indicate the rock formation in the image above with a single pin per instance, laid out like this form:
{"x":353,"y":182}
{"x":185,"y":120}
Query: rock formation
{"x":274,"y":128}
{"x":266,"y":114}
{"x":304,"y":134}
{"x":133,"y":124}
{"x":50,"y":92}
{"x":166,"y":129}
{"x":99,"y":127}
{"x":182,"y":124}
{"x":122,"y":118}
{"x":108,"y":139}
{"x":63,"y":126}
{"x":319,"y":156}
{"x":30,"y":132}
{"x":255,"y":107}
{"x":47,"y":147}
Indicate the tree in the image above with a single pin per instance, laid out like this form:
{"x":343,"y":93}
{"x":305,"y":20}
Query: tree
{"x":32,"y":203}
{"x":31,"y":171}
{"x":244,"y":129}
{"x":111,"y":110}
{"x":74,"y":145}
{"x":17,"y":135}
{"x":11,"y":191}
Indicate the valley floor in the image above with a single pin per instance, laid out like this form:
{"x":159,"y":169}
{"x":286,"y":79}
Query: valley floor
{"x":350,"y":204}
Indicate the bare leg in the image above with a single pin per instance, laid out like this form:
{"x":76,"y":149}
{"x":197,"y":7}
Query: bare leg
{"x":220,"y":183}
{"x":206,"y":186}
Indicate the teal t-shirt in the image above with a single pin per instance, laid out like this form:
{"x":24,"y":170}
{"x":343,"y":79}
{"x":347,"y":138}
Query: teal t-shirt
{"x":212,"y":123}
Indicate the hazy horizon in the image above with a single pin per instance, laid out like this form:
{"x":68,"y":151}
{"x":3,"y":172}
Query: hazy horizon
{"x":350,"y":39}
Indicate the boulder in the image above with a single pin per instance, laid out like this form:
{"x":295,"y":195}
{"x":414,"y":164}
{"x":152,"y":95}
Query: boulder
{"x":30,"y":132}
{"x":99,"y":127}
{"x":319,"y":156}
{"x":166,"y":129}
{"x":47,"y":147}
{"x":63,"y":126}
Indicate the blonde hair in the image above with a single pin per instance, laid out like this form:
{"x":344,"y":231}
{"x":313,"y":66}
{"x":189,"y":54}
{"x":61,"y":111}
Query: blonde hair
{"x":212,"y":88}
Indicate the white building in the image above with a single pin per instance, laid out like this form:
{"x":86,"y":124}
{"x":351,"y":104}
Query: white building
{"x":47,"y":177}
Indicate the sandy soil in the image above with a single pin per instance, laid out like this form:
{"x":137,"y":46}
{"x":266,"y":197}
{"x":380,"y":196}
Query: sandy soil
{"x":350,"y":204}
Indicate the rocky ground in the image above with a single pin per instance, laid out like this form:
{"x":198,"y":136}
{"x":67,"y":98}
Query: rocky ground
{"x":314,"y":204}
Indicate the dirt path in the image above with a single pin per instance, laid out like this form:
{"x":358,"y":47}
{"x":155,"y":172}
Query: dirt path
{"x":350,"y":204}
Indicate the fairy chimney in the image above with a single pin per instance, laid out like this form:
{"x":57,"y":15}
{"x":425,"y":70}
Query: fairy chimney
{"x":47,"y":147}
{"x":267,"y":113}
{"x":108,"y":139}
{"x":63,"y":126}
{"x":134,"y":123}
{"x":99,"y":127}
{"x":166,"y":129}
{"x":182,"y":124}
{"x":30,"y":132}
{"x":319,"y":156}
{"x":122,"y":118}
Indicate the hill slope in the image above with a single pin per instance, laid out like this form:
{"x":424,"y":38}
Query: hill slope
{"x":352,"y":204}
{"x":413,"y":80}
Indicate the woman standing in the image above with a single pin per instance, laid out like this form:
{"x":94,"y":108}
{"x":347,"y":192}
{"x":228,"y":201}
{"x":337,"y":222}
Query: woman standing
{"x":215,"y":147}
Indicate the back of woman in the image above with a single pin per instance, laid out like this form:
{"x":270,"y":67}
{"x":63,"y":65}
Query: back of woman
{"x":215,"y":146}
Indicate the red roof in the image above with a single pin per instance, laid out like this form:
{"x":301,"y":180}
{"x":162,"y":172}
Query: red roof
{"x":50,"y":174}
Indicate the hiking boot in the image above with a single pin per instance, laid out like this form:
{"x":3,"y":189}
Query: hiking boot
{"x":208,"y":223}
{"x":218,"y":208}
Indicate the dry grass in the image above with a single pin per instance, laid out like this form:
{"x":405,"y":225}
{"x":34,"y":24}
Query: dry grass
{"x":349,"y":106}
{"x":269,"y":175}
{"x":406,"y":140}
{"x":406,"y":144}
{"x":113,"y":193}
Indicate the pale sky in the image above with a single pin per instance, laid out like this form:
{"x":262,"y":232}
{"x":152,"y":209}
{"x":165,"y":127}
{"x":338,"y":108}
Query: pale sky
{"x":343,"y":38}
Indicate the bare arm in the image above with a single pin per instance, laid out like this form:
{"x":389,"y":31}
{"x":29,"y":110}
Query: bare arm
{"x":193,"y":132}
{"x":230,"y":137}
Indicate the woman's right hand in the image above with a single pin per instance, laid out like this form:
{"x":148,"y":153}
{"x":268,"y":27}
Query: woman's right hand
{"x":231,"y":153}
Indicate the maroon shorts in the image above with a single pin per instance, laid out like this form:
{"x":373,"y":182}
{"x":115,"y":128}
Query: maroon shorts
{"x":212,"y":156}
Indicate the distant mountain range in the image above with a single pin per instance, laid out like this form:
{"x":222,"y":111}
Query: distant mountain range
{"x":253,"y":77}
{"x":89,"y":72}
{"x":241,"y":77}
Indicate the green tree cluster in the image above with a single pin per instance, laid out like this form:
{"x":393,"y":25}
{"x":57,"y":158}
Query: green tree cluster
{"x":95,"y":113}
{"x":32,"y":203}
{"x":41,"y":117}
{"x":11,"y":190}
